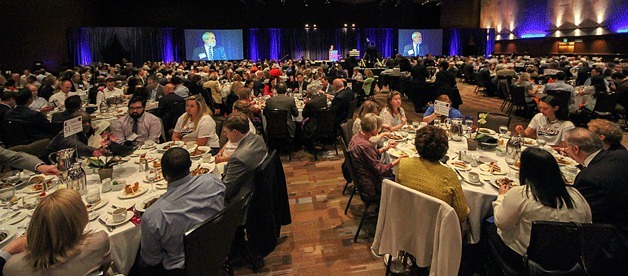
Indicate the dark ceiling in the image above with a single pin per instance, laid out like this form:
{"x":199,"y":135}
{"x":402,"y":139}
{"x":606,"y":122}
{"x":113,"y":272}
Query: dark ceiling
{"x":264,"y":13}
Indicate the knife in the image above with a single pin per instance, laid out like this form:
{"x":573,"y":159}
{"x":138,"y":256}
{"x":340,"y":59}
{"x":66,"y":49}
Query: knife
{"x":110,"y":228}
{"x":458,"y":172}
{"x":11,"y":217}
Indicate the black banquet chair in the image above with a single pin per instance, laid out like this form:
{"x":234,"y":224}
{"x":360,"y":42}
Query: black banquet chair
{"x":277,"y":130}
{"x":325,"y":130}
{"x":208,"y":245}
{"x":493,"y":121}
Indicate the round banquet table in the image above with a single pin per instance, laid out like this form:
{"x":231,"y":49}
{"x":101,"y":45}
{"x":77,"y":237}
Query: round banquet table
{"x":479,"y":196}
{"x":125,"y":238}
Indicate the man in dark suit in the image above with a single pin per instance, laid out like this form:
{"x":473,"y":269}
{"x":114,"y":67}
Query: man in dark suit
{"x":419,"y":75}
{"x":417,"y":47}
{"x":249,"y":154}
{"x":284,"y":102}
{"x":36,"y":124}
{"x":7,"y":102}
{"x":209,"y":50}
{"x":155,"y":90}
{"x":342,"y":98}
{"x":166,"y":104}
{"x":300,"y":85}
{"x":602,"y":182}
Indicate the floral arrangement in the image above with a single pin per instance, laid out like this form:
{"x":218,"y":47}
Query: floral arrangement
{"x":109,"y":161}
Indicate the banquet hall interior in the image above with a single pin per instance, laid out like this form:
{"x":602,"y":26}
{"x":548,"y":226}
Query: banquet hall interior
{"x":520,"y":79}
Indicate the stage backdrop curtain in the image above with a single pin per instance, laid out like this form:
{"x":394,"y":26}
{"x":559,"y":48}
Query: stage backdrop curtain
{"x":88,"y":45}
{"x":468,"y":42}
{"x":314,"y":43}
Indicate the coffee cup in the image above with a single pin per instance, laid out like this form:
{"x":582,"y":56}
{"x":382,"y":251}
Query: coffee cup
{"x":207,"y":158}
{"x":149,"y":143}
{"x":473,"y":177}
{"x":118,"y":215}
{"x":191,"y":144}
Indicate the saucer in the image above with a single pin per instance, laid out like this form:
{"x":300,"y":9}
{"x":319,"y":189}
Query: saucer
{"x":108,"y":220}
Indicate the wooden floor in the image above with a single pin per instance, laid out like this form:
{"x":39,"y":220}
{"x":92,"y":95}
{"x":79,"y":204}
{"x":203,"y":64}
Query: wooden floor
{"x":320,"y":239}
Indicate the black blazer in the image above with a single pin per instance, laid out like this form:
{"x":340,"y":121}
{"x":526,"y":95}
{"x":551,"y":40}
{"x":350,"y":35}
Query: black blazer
{"x":604,"y":184}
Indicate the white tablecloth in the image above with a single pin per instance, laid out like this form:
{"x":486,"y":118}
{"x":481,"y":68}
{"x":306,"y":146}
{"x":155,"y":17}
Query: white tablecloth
{"x":125,"y":239}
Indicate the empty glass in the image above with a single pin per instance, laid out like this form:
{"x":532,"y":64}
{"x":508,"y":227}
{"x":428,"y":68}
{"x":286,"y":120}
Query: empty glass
{"x":6,"y":195}
{"x":437,"y":121}
{"x":503,"y":129}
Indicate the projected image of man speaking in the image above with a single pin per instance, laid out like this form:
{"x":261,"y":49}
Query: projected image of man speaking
{"x":417,"y":47}
{"x":209,"y":50}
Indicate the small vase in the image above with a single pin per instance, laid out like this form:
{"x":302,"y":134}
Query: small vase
{"x":105,"y":173}
{"x":472,"y":144}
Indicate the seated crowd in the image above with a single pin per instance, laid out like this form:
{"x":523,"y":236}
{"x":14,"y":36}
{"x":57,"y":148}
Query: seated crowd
{"x":201,"y":102}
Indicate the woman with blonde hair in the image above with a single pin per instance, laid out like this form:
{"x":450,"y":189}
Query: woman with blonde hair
{"x":196,"y":124}
{"x":366,"y":108}
{"x":368,"y":81}
{"x":57,"y":243}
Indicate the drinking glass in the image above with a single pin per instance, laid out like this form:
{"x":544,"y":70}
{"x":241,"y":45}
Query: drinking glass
{"x":92,"y":197}
{"x":437,"y":121}
{"x":6,"y":194}
{"x":541,"y":142}
{"x":469,"y":124}
{"x":503,"y":129}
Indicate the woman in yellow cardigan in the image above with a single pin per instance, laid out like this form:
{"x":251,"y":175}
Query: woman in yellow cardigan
{"x":427,"y":175}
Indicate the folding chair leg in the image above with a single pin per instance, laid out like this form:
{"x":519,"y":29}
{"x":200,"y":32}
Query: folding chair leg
{"x":388,"y":264}
{"x":357,"y":233}
{"x":350,"y":198}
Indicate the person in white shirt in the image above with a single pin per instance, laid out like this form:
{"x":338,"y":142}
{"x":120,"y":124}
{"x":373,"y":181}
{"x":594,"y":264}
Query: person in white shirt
{"x":58,"y":99}
{"x":549,"y":125}
{"x":109,"y":91}
{"x":542,"y":195}
{"x":39,"y":104}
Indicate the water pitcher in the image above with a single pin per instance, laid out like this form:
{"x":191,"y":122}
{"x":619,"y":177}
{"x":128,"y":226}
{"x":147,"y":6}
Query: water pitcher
{"x":77,"y":178}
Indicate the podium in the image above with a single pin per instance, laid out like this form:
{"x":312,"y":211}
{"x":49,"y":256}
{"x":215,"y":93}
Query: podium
{"x":333,"y":55}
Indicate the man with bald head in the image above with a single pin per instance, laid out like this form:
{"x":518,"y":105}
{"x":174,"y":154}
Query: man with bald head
{"x":342,"y":98}
{"x":166,"y":104}
{"x":58,"y":99}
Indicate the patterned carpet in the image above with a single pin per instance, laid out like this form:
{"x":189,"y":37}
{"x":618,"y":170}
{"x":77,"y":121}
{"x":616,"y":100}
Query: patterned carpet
{"x":320,"y":239}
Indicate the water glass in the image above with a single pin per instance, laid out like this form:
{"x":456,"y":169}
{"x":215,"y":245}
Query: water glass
{"x":92,"y":197}
{"x":503,"y":129}
{"x":6,"y":195}
{"x":437,"y":121}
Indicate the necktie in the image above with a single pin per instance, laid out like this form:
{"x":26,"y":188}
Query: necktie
{"x":211,"y":53}
{"x":581,"y":167}
{"x":416,"y":50}
{"x":135,"y":125}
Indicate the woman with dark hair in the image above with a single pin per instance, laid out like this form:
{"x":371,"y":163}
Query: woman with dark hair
{"x":426,"y":175}
{"x":270,"y":87}
{"x":393,"y":115}
{"x":550,"y":124}
{"x":597,"y":87}
{"x":542,"y":195}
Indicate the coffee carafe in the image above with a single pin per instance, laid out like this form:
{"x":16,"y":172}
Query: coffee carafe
{"x":77,"y":178}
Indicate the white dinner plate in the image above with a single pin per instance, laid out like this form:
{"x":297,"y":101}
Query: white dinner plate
{"x":395,"y":152}
{"x":208,"y":166}
{"x":494,"y":179}
{"x":139,"y":205}
{"x":529,"y":142}
{"x":466,"y":168}
{"x":109,"y":220}
{"x":161,"y":185}
{"x":485,"y":168}
{"x":487,"y":131}
{"x":162,"y":147}
{"x":21,"y":216}
{"x":102,"y":203}
{"x":140,"y":191}
{"x":10,"y":231}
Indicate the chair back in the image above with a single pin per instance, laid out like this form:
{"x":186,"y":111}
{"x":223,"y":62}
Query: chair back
{"x":276,"y":124}
{"x":163,"y":138}
{"x":156,"y":111}
{"x":518,"y":95}
{"x":172,"y":113}
{"x":207,"y":246}
{"x":493,"y":121}
{"x":605,"y":103}
{"x":478,"y":79}
{"x":347,"y":128}
{"x":351,"y":109}
{"x":14,"y":133}
{"x":421,"y":225}
{"x":575,"y":243}
{"x":325,"y":124}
